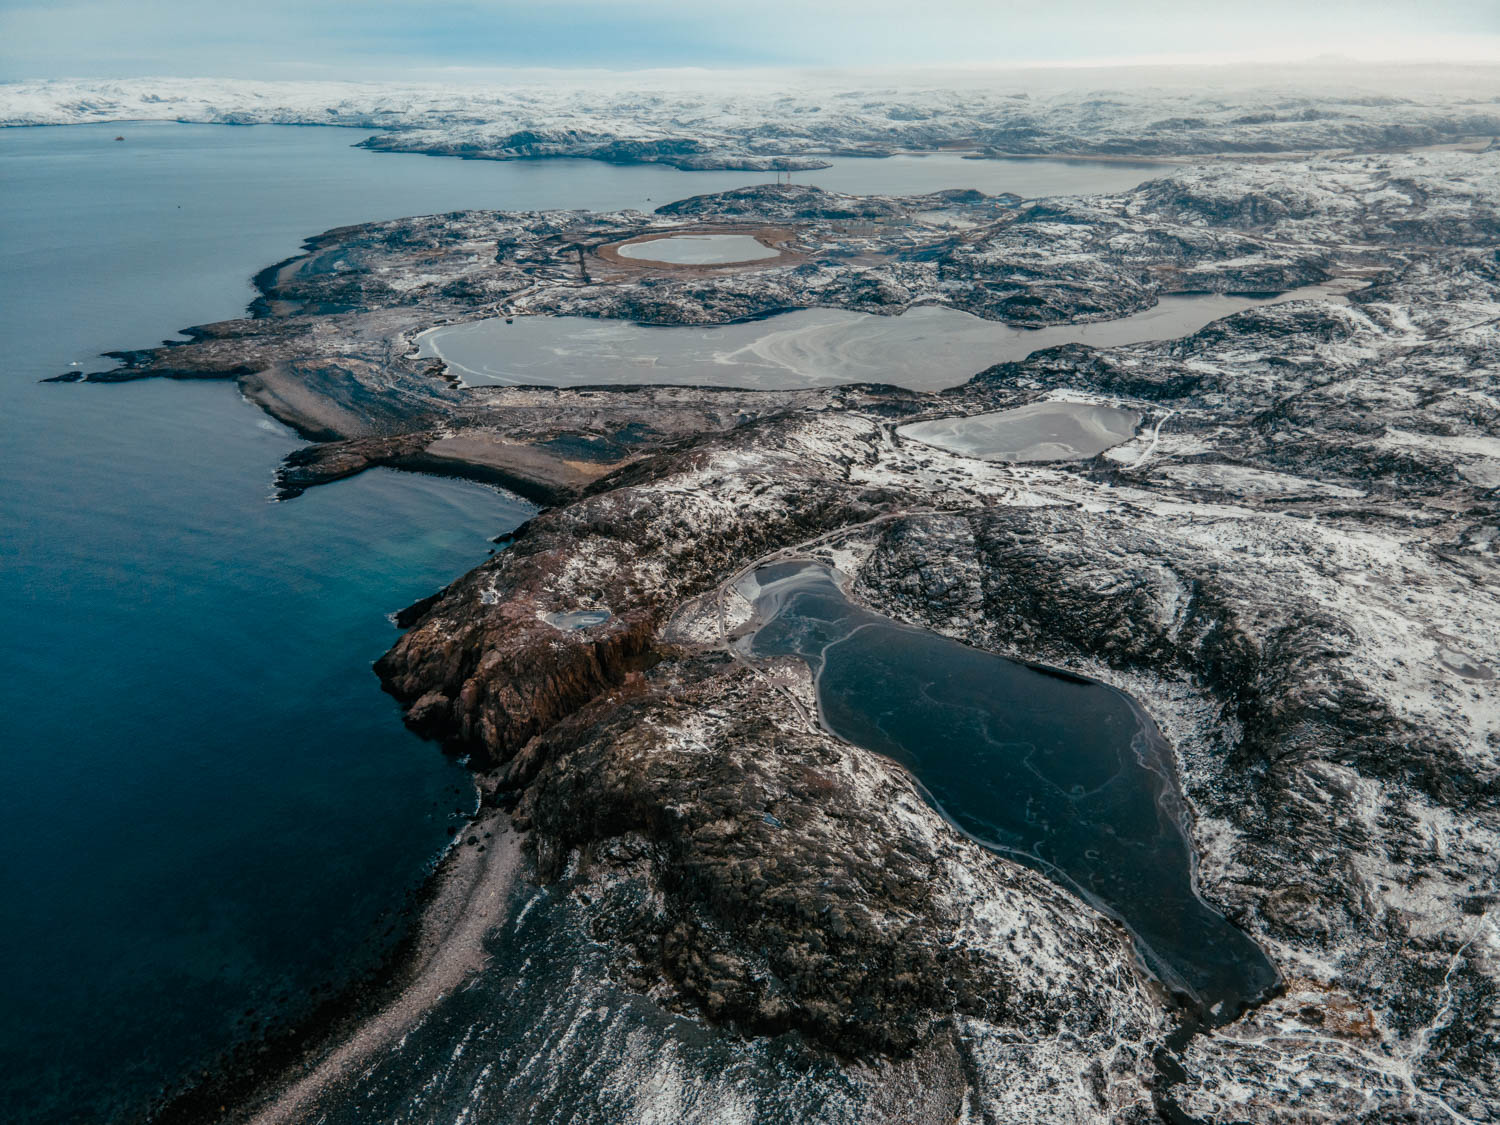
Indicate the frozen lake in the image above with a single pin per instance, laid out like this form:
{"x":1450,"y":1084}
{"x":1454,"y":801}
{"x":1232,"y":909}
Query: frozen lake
{"x":1038,"y":431}
{"x":1064,"y":774}
{"x":699,"y":249}
{"x":926,"y":349}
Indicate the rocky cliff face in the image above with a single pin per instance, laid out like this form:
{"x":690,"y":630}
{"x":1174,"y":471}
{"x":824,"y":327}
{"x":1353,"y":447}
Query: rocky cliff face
{"x":795,"y":883}
{"x":491,"y":681}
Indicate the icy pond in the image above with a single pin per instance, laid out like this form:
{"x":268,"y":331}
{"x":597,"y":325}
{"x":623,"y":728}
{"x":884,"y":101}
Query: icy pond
{"x":1063,"y":774}
{"x":927,"y":348}
{"x":1038,"y":431}
{"x":699,"y":249}
{"x":577,"y":619}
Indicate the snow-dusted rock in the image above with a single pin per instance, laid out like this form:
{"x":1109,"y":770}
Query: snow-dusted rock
{"x":1292,"y":566}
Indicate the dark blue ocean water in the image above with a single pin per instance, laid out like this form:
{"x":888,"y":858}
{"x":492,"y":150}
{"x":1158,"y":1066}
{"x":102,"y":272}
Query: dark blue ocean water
{"x":206,"y":802}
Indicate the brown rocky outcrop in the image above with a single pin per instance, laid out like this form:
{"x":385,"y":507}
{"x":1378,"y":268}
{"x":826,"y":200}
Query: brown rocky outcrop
{"x":793,"y":893}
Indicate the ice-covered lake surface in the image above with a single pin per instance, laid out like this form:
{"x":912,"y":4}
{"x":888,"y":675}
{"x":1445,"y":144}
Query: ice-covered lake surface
{"x":1038,"y":431}
{"x":699,"y":249}
{"x":926,"y":348}
{"x":1064,"y":774}
{"x":578,"y":619}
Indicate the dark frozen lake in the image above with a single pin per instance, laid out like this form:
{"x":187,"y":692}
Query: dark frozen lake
{"x":1066,"y":775}
{"x":207,"y":805}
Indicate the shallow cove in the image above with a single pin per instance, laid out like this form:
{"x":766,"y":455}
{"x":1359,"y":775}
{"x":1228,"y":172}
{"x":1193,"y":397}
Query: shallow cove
{"x":1064,"y":774}
{"x":927,"y":348}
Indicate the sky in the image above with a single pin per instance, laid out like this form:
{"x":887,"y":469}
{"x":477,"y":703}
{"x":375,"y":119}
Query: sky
{"x":426,"y":39}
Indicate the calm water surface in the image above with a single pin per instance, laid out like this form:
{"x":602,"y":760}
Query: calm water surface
{"x":205,"y":801}
{"x":1067,"y":775}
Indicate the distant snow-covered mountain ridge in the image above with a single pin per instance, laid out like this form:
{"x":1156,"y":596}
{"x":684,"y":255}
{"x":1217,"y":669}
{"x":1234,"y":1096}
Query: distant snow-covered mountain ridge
{"x":762,"y":120}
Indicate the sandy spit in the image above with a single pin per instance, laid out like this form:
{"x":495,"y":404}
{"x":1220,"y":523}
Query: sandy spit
{"x":470,"y":900}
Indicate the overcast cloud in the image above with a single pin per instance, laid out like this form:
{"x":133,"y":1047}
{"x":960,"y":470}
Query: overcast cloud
{"x":411,"y":39}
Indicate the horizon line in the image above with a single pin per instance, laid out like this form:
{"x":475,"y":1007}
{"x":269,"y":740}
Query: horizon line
{"x":1193,"y":61}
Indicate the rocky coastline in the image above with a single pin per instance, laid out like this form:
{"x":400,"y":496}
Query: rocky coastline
{"x":1292,"y":566}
